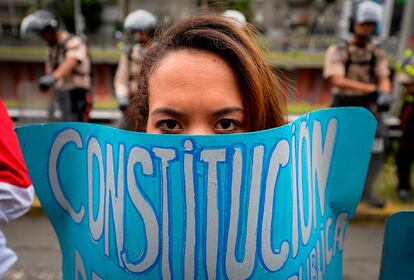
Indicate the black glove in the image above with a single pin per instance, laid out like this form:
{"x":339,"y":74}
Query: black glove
{"x":46,"y":82}
{"x":384,"y":101}
{"x":123,"y":108}
{"x":123,"y":103}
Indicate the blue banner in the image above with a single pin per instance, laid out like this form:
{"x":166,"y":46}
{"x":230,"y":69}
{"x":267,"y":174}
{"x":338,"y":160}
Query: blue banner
{"x":398,"y":248}
{"x":267,"y":204}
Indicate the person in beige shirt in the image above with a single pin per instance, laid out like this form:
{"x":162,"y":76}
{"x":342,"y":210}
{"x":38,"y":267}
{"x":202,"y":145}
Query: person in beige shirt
{"x":355,"y":71}
{"x":358,"y":72}
{"x":141,"y":25}
{"x":68,"y":67}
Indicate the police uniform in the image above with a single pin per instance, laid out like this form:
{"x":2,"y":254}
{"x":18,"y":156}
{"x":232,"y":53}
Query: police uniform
{"x":405,"y":154}
{"x":364,"y":64}
{"x":126,"y":76}
{"x":72,"y":91}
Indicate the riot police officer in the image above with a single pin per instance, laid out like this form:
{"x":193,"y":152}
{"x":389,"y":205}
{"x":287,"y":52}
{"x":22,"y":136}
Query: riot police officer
{"x":358,"y":72}
{"x":141,"y":25}
{"x":68,"y":66}
{"x":405,"y":154}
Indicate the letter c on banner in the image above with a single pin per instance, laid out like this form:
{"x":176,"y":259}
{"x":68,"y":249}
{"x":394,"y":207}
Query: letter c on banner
{"x":65,"y":137}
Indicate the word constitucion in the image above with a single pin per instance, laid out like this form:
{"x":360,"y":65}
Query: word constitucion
{"x":228,"y":221}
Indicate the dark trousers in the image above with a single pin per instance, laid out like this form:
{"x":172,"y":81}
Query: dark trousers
{"x":74,"y":105}
{"x":405,"y":154}
{"x":366,"y":101}
{"x":404,"y":160}
{"x":381,"y":142}
{"x":80,"y":105}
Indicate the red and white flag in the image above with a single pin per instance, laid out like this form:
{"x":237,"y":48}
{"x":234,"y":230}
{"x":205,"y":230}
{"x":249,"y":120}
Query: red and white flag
{"x":16,"y":190}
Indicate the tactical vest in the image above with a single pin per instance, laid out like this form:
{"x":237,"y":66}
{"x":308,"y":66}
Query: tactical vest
{"x":58,"y":56}
{"x":134,"y":61}
{"x":360,"y":63}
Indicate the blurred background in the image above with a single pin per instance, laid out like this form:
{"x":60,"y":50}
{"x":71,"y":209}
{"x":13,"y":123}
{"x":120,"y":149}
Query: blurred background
{"x":294,"y":36}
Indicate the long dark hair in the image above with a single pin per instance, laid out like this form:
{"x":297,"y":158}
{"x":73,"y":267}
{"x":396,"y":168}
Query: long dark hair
{"x":264,"y":101}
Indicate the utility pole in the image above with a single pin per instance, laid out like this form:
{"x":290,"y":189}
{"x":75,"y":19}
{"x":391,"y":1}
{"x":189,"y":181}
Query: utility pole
{"x":13,"y":18}
{"x":38,"y":4}
{"x":123,"y":9}
{"x":78,"y":17}
{"x":343,"y":23}
{"x":259,"y":13}
{"x":402,"y":44}
{"x":388,"y":9}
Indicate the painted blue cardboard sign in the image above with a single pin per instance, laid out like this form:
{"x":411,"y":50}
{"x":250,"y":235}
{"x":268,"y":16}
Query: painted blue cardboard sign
{"x":267,"y":204}
{"x":398,"y":248}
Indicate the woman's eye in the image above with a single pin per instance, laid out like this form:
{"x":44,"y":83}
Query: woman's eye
{"x":227,"y":125}
{"x":169,"y":126}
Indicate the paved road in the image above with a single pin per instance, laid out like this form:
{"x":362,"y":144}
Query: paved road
{"x":34,"y":241}
{"x":362,"y":253}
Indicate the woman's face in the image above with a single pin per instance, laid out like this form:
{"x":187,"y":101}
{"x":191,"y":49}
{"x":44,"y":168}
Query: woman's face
{"x":194,"y":92}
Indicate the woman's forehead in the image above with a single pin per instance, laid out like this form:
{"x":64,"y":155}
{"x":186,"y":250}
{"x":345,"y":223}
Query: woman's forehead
{"x":192,"y":69}
{"x":190,"y":58}
{"x":189,"y":74}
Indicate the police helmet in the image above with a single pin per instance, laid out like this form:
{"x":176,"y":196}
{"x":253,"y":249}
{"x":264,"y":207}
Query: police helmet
{"x":405,"y":68}
{"x":141,"y":21}
{"x":39,"y":21}
{"x":367,"y":12}
{"x":235,"y":16}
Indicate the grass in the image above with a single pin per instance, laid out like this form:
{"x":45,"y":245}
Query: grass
{"x":111,"y":104}
{"x":303,"y":107}
{"x":289,"y":59}
{"x":295,"y":58}
{"x":279,"y":59}
{"x":23,"y":53}
{"x":40,"y":102}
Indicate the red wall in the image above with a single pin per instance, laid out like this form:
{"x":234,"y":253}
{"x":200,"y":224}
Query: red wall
{"x":17,"y":79}
{"x":305,"y":86}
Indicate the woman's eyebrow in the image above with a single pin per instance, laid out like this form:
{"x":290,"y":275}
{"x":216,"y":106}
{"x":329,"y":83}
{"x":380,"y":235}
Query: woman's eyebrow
{"x":228,"y":110}
{"x":166,"y":111}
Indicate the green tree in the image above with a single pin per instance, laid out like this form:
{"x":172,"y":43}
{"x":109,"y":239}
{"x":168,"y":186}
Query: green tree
{"x":92,"y":12}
